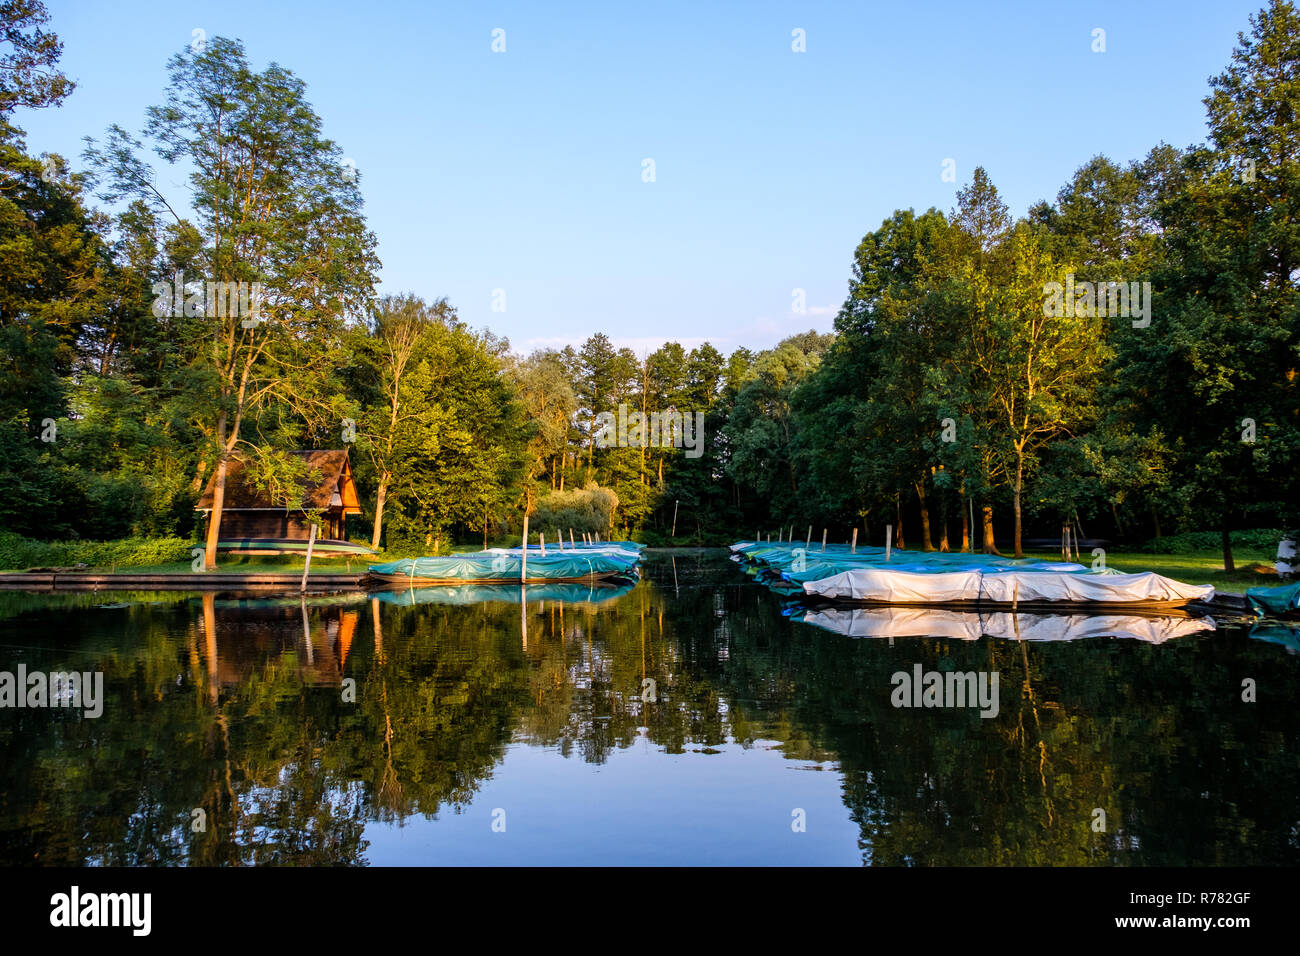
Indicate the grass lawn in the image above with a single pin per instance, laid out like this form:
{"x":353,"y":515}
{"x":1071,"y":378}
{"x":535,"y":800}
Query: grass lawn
{"x":1202,"y":567}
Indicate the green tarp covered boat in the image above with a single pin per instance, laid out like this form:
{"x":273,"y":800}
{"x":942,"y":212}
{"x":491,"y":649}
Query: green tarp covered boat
{"x":1275,"y":601}
{"x":586,"y":563}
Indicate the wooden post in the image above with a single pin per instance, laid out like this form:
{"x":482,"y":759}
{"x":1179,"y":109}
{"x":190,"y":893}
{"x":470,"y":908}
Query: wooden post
{"x":541,"y":541}
{"x":853,"y":548}
{"x":571,"y":544}
{"x":889,"y":540}
{"x":306,"y":630}
{"x":311,"y":540}
{"x":823,"y":539}
{"x":523,"y":552}
{"x":675,"y":504}
{"x":809,"y":541}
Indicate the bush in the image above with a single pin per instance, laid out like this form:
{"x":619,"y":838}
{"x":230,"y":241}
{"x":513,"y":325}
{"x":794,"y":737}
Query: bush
{"x":1255,"y":539}
{"x":17,"y":552}
{"x":588,"y":509}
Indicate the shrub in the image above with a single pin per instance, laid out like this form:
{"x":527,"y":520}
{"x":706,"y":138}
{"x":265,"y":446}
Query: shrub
{"x":17,"y":552}
{"x":1255,"y":539}
{"x":588,"y":509}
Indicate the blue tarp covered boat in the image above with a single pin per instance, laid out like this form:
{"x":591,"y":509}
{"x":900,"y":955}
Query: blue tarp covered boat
{"x":1275,"y":601}
{"x":603,"y":562}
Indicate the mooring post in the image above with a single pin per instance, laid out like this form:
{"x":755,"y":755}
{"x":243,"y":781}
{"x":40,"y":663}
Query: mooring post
{"x":809,"y":539}
{"x":853,"y":548}
{"x":676,"y":502}
{"x":823,"y":539}
{"x":523,"y":550}
{"x":889,"y":539}
{"x":541,"y":540}
{"x":311,"y":540}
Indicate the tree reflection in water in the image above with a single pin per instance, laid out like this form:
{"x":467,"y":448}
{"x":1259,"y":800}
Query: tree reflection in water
{"x":239,"y":709}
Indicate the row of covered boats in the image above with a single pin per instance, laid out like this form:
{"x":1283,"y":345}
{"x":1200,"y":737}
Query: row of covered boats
{"x":842,"y":574}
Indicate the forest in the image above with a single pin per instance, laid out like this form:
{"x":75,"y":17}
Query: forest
{"x":1122,"y":358}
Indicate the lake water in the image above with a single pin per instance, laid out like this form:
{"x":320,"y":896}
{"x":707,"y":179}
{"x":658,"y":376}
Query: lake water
{"x":685,"y":720}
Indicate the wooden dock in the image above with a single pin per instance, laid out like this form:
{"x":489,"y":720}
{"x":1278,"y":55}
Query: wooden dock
{"x":196,"y":581}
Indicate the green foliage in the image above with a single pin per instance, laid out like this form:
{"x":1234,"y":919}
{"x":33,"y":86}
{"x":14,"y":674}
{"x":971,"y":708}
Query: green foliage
{"x":1192,"y":542}
{"x":19,"y":553}
{"x":590,"y":509}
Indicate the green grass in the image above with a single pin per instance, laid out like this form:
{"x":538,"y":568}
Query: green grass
{"x":1201,"y":567}
{"x":256,"y":565}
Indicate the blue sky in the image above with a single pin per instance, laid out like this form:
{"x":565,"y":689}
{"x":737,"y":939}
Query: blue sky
{"x":522,"y":170}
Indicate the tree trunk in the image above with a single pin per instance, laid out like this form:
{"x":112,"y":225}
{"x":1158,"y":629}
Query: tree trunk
{"x":898,"y":524}
{"x":926,"y":544}
{"x":380,"y":498}
{"x":1020,"y":481}
{"x":218,"y":499}
{"x":990,"y":546}
{"x":1228,"y":565}
{"x":1155,"y":519}
{"x":214,"y":517}
{"x":943,"y":523}
{"x":965,"y":524}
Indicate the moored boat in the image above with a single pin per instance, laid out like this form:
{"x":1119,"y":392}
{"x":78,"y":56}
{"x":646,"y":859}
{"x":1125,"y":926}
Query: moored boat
{"x":613,"y":562}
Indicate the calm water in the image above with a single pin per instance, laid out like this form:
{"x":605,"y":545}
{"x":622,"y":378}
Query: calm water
{"x":685,"y":720}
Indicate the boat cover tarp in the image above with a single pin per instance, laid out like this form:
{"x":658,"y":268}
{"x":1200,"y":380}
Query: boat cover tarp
{"x":1275,"y":601}
{"x":799,"y":564}
{"x":507,"y":565}
{"x":1004,"y":586}
{"x":876,"y":622}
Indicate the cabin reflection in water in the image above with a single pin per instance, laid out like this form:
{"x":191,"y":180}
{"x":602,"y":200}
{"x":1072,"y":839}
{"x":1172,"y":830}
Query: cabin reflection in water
{"x":243,"y":636}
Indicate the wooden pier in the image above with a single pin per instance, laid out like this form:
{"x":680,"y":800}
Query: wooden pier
{"x":196,"y":581}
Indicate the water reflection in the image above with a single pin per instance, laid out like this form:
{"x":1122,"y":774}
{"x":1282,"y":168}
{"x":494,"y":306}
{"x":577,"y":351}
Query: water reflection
{"x":966,"y":625}
{"x":308,"y":731}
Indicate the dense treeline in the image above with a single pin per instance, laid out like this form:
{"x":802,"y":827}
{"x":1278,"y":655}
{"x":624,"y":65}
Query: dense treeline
{"x":1121,"y":359}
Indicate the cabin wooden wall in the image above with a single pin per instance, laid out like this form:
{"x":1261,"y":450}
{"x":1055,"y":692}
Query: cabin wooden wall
{"x":292,"y":525}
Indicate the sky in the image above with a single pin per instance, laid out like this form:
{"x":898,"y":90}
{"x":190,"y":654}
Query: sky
{"x":515,"y":183}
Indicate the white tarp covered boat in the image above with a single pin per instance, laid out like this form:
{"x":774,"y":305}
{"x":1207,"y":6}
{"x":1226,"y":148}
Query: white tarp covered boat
{"x":1005,"y":586}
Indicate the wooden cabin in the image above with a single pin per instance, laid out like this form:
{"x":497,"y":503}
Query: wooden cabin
{"x":249,"y":512}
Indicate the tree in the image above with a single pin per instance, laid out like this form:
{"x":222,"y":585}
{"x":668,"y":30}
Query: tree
{"x":392,"y":402}
{"x":28,"y":55}
{"x":273,"y":207}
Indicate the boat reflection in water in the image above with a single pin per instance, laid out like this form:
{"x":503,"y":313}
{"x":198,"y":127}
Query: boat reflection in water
{"x":566,"y":593}
{"x":900,"y":621}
